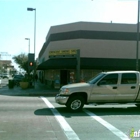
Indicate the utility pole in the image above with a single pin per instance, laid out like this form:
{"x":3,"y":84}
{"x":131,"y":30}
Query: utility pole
{"x":137,"y":47}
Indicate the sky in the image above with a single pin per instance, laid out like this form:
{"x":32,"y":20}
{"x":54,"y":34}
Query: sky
{"x":16,"y":23}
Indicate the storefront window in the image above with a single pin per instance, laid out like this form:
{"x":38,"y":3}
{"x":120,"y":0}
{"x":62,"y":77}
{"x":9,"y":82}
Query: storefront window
{"x":88,"y":74}
{"x":58,"y":78}
{"x":72,"y":77}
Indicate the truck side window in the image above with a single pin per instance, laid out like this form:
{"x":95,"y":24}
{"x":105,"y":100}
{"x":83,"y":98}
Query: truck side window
{"x":109,"y":79}
{"x":128,"y":78}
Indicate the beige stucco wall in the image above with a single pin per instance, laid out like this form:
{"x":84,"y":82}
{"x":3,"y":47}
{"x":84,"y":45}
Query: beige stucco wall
{"x":96,"y":48}
{"x":93,"y":47}
{"x":93,"y":26}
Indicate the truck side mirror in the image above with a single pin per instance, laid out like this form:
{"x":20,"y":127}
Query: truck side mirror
{"x":103,"y":82}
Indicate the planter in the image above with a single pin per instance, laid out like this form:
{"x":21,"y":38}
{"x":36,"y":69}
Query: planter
{"x":24,"y":85}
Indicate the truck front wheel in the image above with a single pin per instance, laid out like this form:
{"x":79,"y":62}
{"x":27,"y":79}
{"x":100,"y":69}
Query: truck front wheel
{"x":75,"y":103}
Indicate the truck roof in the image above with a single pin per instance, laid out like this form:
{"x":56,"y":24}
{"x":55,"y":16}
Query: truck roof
{"x":128,"y":71}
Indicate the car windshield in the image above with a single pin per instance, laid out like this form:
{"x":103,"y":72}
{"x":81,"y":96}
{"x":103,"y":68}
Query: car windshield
{"x":96,"y":78}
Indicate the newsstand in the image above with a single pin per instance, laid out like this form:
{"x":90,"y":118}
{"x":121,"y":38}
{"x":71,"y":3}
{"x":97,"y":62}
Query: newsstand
{"x":11,"y":84}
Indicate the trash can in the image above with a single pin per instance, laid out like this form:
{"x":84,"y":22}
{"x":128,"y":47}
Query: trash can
{"x":11,"y":84}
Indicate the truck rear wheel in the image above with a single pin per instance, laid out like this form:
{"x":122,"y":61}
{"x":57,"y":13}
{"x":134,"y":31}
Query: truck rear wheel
{"x":75,"y":103}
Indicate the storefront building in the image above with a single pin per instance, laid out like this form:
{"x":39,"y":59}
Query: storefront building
{"x":78,"y":51}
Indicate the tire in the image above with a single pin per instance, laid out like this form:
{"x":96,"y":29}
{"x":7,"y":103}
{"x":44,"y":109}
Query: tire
{"x":75,"y":103}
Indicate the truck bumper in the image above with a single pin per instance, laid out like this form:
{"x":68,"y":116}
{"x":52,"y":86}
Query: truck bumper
{"x":61,"y":99}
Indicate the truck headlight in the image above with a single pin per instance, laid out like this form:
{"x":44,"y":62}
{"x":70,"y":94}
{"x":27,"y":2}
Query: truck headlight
{"x":64,"y":91}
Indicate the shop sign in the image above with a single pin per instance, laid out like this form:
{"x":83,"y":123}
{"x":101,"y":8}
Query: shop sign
{"x":62,"y":52}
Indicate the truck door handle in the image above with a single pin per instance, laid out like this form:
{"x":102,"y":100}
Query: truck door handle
{"x":114,"y":87}
{"x":133,"y":87}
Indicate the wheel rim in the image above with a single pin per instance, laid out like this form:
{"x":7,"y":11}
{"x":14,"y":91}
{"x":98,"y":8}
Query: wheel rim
{"x":75,"y":104}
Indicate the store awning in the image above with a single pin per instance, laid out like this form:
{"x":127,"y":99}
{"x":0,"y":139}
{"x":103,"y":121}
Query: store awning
{"x":108,"y":64}
{"x":89,"y":63}
{"x":59,"y":63}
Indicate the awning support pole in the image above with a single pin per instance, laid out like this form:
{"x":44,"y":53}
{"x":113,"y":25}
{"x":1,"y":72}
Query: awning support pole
{"x":78,"y":66}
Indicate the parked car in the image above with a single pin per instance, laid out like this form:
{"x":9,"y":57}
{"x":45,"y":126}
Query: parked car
{"x":17,"y":79}
{"x":4,"y":76}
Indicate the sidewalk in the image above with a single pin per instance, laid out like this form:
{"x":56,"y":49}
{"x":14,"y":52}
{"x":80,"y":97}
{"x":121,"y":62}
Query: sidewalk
{"x":39,"y":90}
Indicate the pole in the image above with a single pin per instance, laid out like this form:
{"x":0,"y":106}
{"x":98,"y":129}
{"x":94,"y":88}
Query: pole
{"x":34,"y":9}
{"x":34,"y":32}
{"x":28,"y":59}
{"x":78,"y":66}
{"x":34,"y":46}
{"x":137,"y":48}
{"x":29,"y":46}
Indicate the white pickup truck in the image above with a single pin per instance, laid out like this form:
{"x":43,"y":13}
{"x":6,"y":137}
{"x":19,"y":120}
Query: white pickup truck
{"x":107,"y":87}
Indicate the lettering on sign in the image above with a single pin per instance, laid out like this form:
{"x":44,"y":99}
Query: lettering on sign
{"x":62,"y":52}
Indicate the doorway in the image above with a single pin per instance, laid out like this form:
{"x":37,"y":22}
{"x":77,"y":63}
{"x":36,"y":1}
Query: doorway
{"x":64,"y":77}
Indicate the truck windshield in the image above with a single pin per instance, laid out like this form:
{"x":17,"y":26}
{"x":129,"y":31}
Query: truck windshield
{"x":96,"y":78}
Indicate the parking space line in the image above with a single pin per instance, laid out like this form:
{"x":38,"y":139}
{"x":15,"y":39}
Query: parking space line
{"x":113,"y":129}
{"x":69,"y":132}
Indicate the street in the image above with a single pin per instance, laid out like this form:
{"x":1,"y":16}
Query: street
{"x":34,"y":118}
{"x":20,"y":119}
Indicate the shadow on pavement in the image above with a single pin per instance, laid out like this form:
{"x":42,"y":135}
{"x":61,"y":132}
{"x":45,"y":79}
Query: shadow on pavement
{"x":100,"y":111}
